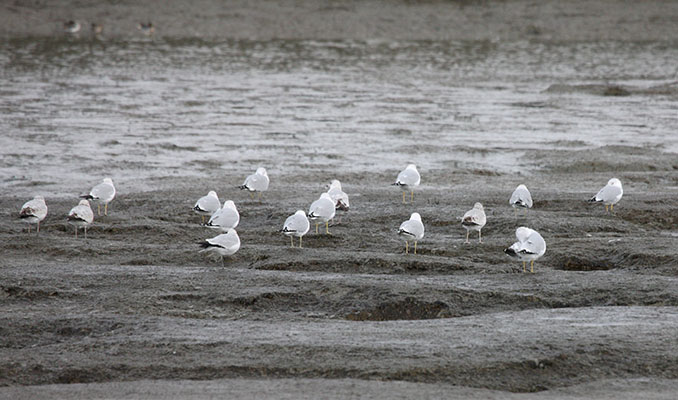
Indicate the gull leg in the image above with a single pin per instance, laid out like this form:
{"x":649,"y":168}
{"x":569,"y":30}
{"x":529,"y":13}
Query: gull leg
{"x":299,"y":241}
{"x":98,"y":209}
{"x":76,"y":232}
{"x":403,"y":197}
{"x":527,"y":210}
{"x":412,"y":196}
{"x":259,"y":197}
{"x":611,"y":207}
{"x":291,"y":241}
{"x":203,"y":219}
{"x":38,"y":227}
{"x":524,"y":266}
{"x":480,"y":240}
{"x":415,"y":247}
{"x":29,"y":228}
{"x":327,"y":227}
{"x":251,"y":196}
{"x":85,"y":232}
{"x":532,"y":266}
{"x":515,"y":212}
{"x":467,"y":232}
{"x":606,"y":210}
{"x":407,"y":247}
{"x":316,"y":228}
{"x":222,"y":261}
{"x":106,"y":209}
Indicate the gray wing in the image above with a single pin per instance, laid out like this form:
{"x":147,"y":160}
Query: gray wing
{"x":208,"y":204}
{"x":474,"y":217}
{"x":608,"y":193}
{"x":225,"y":218}
{"x":297,"y":224}
{"x":412,"y":228}
{"x":35,"y":208}
{"x":83,"y":213}
{"x":226,"y":240}
{"x":534,"y":244}
{"x":339,"y":196}
{"x":103,"y":192}
{"x":322,"y":208}
{"x":257,"y":182}
{"x":408,"y":177}
{"x":521,"y":196}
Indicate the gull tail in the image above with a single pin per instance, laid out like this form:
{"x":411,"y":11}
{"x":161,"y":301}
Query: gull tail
{"x":243,"y":187}
{"x":87,"y":196}
{"x":594,"y":200}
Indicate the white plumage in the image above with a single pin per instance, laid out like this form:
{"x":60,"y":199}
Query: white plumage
{"x":81,"y":216}
{"x":34,"y":211}
{"x":610,"y":194}
{"x":521,"y":198}
{"x":412,"y":229}
{"x":339,"y":197}
{"x":474,"y":220}
{"x":257,"y":182}
{"x":207,"y":205}
{"x":296,"y":225}
{"x":408,"y":179}
{"x":322,"y":210}
{"x":225,"y":218}
{"x":222,"y":245}
{"x":102,"y":193}
{"x":529,"y":247}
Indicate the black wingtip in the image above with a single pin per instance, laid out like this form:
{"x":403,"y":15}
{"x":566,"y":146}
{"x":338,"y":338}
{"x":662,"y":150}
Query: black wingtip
{"x":243,"y":187}
{"x":87,"y":197}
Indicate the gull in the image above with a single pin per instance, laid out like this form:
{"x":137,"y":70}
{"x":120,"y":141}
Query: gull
{"x":81,"y":215}
{"x":225,"y":218}
{"x":529,"y":247}
{"x":339,"y":197}
{"x":610,"y":194}
{"x":407,"y":180}
{"x":146,"y":28}
{"x":101,"y":193}
{"x":33,"y":212}
{"x":296,"y":225}
{"x":322,"y":210}
{"x":72,"y":27}
{"x":412,"y":229}
{"x":474,"y":220}
{"x":257,"y":182}
{"x":521,"y":198}
{"x":207,"y":205}
{"x":222,"y":245}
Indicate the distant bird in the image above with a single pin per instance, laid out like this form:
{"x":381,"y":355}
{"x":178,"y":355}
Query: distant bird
{"x":81,"y":216}
{"x":101,"y":193}
{"x":207,"y":205}
{"x":339,"y":197}
{"x":296,"y":225}
{"x":322,"y":210}
{"x":412,"y":229}
{"x":521,"y":198}
{"x":257,"y":182}
{"x":529,"y":247}
{"x":97,"y":29}
{"x":225,"y":244}
{"x":225,"y":218}
{"x":72,"y":27}
{"x":474,"y":220}
{"x":610,"y":194}
{"x":146,"y":28}
{"x":33,"y":212}
{"x":408,"y":179}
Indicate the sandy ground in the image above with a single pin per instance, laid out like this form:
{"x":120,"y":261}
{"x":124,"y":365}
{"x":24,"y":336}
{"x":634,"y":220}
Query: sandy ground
{"x":135,"y":310}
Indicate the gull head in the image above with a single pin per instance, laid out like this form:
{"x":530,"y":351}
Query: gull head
{"x":38,"y":197}
{"x":229,"y":204}
{"x":335,"y":184}
{"x":300,"y":212}
{"x":521,"y":186}
{"x":108,"y":180}
{"x":614,"y":182}
{"x":478,"y":206}
{"x":416,"y":217}
{"x":411,"y":166}
{"x":83,"y":202}
{"x":212,"y":193}
{"x":262,"y":171}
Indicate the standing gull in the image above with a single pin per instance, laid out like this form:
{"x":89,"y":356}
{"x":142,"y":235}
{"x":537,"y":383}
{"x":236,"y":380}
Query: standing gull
{"x":610,"y":194}
{"x":33,"y":212}
{"x":529,"y":247}
{"x":207,"y":205}
{"x":81,"y":216}
{"x":521,"y":198}
{"x":412,"y":229}
{"x":474,"y":220}
{"x":296,"y":225}
{"x":225,"y":218}
{"x":408,"y":179}
{"x":257,"y":182}
{"x":339,"y":197}
{"x":101,"y":193}
{"x":322,"y":210}
{"x":222,"y":245}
